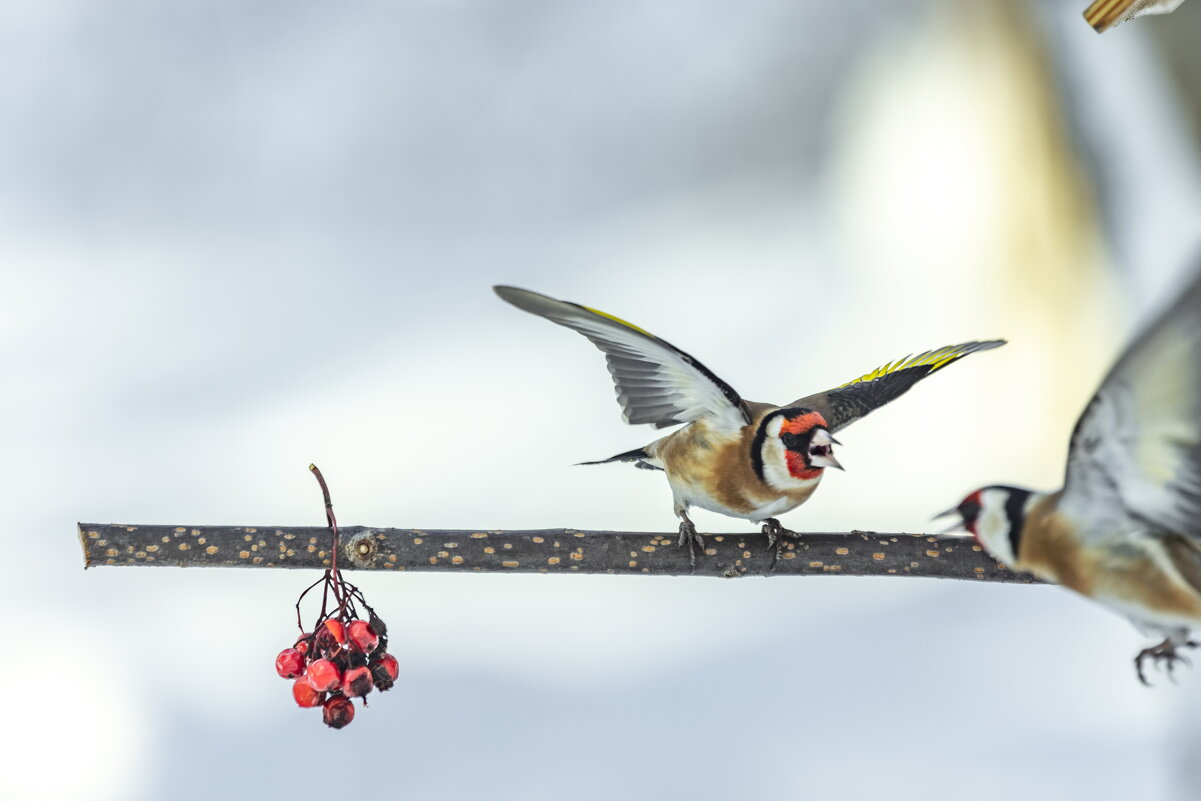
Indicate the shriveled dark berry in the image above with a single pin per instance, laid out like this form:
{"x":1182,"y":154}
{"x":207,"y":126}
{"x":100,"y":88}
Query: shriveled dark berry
{"x":384,"y":672}
{"x":357,"y":682}
{"x":337,"y":711}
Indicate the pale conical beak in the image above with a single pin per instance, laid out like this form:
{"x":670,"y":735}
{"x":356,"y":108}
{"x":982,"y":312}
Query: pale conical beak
{"x":826,"y":461}
{"x":954,"y":510}
{"x":956,"y":524}
{"x":822,"y":439}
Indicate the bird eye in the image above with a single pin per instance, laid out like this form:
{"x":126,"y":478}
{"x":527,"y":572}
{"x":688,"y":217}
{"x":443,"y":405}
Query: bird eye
{"x":970,"y":510}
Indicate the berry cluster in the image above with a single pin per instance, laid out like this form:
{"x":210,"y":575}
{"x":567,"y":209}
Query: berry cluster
{"x":343,"y":656}
{"x":340,"y":661}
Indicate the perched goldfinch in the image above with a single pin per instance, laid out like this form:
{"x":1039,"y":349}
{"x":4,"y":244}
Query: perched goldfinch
{"x":737,"y":457}
{"x":1125,"y":530}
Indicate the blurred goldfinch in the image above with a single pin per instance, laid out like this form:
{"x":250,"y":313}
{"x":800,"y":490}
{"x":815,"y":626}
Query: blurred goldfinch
{"x":1125,"y":530}
{"x":736,"y":457}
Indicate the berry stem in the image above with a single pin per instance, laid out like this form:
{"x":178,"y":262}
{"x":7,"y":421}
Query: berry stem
{"x":299,"y":621}
{"x":329,"y":505}
{"x":333,"y":576}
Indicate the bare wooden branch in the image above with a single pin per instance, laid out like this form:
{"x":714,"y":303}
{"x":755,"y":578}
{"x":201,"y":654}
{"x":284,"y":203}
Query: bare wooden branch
{"x":557,"y":550}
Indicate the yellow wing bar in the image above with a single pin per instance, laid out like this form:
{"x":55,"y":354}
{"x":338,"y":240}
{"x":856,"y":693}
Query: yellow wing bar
{"x":933,"y":359}
{"x":617,"y":319}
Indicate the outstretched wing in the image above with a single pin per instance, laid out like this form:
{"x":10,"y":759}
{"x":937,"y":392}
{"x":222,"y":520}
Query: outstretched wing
{"x":855,"y":399}
{"x":1137,"y":447}
{"x":656,"y":382}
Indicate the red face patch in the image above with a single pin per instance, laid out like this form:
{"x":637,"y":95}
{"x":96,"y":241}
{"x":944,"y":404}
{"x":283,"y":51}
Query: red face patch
{"x":969,"y":510}
{"x":802,"y":423}
{"x":797,"y":468}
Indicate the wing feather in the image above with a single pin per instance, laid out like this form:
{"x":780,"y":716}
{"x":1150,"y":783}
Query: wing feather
{"x":1136,"y":450}
{"x":844,"y":405}
{"x":656,"y":382}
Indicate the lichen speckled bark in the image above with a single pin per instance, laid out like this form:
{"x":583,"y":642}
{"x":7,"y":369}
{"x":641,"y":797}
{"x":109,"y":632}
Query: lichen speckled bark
{"x":558,"y":550}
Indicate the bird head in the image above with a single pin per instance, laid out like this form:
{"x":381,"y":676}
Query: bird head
{"x":995,"y":516}
{"x":793,"y":447}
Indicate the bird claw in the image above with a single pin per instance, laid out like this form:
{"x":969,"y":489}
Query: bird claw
{"x":1164,"y":653}
{"x":777,"y":538}
{"x":690,"y":537}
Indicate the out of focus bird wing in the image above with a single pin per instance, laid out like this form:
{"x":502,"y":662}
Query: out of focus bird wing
{"x":1136,"y":450}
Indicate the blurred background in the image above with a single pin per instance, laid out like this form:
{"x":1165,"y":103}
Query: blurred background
{"x":236,"y":238}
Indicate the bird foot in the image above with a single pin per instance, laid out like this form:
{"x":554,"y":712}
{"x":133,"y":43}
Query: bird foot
{"x":690,"y":537}
{"x":1164,"y":653}
{"x":778,"y":538}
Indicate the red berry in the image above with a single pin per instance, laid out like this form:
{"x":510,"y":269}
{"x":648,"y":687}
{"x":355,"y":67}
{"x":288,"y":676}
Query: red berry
{"x":305,"y":695}
{"x":337,"y":629}
{"x":357,"y":681}
{"x":303,"y":643}
{"x":290,"y":663}
{"x":330,"y":636}
{"x":392,"y":666}
{"x":338,"y":711}
{"x":323,"y":676}
{"x":384,"y":672}
{"x":362,"y":635}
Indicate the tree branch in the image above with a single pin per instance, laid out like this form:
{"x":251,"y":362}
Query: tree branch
{"x":557,"y":550}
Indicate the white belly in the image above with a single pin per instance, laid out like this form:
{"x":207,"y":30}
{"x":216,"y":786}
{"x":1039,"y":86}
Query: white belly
{"x":1149,"y":621}
{"x":693,"y":495}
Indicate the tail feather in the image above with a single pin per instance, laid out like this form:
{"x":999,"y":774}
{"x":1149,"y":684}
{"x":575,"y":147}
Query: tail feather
{"x":639,"y":456}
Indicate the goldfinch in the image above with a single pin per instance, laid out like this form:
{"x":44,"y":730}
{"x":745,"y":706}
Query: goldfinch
{"x":736,"y":457}
{"x":1125,"y":529}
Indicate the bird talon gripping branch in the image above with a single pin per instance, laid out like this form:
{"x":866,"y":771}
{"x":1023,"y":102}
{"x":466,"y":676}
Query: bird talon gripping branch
{"x":777,"y":534}
{"x":690,"y":538}
{"x":732,"y":456}
{"x":778,"y":539}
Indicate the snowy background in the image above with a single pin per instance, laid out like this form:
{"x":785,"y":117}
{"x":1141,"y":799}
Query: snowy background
{"x":237,"y":238}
